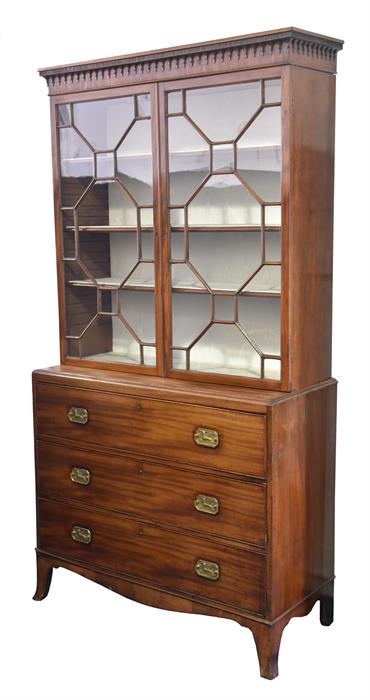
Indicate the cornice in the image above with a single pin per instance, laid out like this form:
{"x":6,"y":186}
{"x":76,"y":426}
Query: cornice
{"x":279,"y":47}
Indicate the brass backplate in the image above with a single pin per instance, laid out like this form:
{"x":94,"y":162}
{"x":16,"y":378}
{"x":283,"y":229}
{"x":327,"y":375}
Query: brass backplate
{"x":207,"y":569}
{"x":80,"y":476}
{"x":206,"y":504}
{"x":206,"y":437}
{"x":78,"y":415}
{"x":81,"y":534}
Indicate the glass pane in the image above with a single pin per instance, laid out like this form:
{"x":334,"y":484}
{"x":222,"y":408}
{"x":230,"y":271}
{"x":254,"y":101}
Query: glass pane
{"x":75,"y":275}
{"x":178,"y":359}
{"x":223,"y":201}
{"x":97,"y":341}
{"x":134,"y":162}
{"x":123,"y":255}
{"x":183,"y":277}
{"x":260,"y":318}
{"x":225,"y":259}
{"x":150,"y":356}
{"x":272,"y":369}
{"x":268,"y":279}
{"x":273,"y":90}
{"x":223,"y":157}
{"x":111,"y":257}
{"x":177,"y":245}
{"x":107,"y":340}
{"x":72,"y":348}
{"x":191,"y":313}
{"x":223,"y":349}
{"x":138,"y":310}
{"x":81,"y":308}
{"x":174,"y":102}
{"x":147,"y":217}
{"x":108,"y":301}
{"x":177,"y":217}
{"x":225,"y":308}
{"x":147,"y":245}
{"x":259,"y":155}
{"x":76,"y":165}
{"x":188,"y":159}
{"x":105,"y":165}
{"x":106,"y":204}
{"x":222,"y":112}
{"x":103,"y":122}
{"x":143,"y":105}
{"x":64,"y":115}
{"x":142,"y":276}
{"x":273,"y":246}
{"x":94,"y":256}
{"x":273,"y":216}
{"x":68,"y":236}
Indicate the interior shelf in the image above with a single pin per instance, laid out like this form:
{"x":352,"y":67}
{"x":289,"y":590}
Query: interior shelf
{"x":149,"y":229}
{"x":113,"y":357}
{"x":114,"y":283}
{"x":222,"y":229}
{"x":109,"y":229}
{"x":245,"y":371}
{"x":180,"y":152}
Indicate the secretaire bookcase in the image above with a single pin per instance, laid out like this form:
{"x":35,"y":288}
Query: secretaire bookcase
{"x":185,"y":445}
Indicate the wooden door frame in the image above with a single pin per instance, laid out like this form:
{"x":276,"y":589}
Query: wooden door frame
{"x":212,"y":81}
{"x":140,"y":88}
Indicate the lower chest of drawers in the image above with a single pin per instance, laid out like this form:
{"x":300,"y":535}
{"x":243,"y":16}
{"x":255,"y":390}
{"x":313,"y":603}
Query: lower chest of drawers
{"x":147,"y":499}
{"x":190,"y":502}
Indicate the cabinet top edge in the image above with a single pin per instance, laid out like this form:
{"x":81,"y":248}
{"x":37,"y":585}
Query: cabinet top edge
{"x":256,"y":38}
{"x":222,"y":396}
{"x":279,"y":46}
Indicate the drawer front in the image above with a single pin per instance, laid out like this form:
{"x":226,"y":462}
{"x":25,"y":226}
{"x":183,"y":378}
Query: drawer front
{"x":147,"y":552}
{"x":151,"y":427}
{"x":210,"y":504}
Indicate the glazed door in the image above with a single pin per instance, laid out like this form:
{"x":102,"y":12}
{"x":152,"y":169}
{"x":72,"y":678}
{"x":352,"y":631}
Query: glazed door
{"x":223,"y":228}
{"x":107,"y":218}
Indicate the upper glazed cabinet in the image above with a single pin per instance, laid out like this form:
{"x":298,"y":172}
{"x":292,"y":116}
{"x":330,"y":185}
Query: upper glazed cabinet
{"x":194,"y":223}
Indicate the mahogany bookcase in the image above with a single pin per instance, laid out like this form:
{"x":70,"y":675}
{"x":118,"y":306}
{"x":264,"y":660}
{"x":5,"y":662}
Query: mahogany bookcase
{"x":185,"y":445}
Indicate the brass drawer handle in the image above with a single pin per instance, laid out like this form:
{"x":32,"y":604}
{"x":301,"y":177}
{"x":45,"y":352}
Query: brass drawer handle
{"x":206,"y":437}
{"x":207,"y":569}
{"x":81,"y":534}
{"x":206,"y":504}
{"x":78,"y":415}
{"x":80,"y":476}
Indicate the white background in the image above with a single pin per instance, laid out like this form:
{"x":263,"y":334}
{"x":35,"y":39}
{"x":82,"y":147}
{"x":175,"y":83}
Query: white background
{"x":83,"y":641}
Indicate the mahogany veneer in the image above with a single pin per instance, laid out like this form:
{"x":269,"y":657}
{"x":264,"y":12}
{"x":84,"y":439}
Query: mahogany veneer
{"x":189,"y":490}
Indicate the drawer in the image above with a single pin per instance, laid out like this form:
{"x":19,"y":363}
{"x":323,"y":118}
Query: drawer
{"x":151,"y":427}
{"x":224,"y":507}
{"x":164,"y":558}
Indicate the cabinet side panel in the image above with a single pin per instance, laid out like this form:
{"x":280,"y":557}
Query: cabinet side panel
{"x":302,"y":496}
{"x":311,"y":225}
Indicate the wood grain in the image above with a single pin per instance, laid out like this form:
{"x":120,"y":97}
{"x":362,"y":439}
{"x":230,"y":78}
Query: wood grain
{"x":311,"y":183}
{"x":152,"y":553}
{"x":301,"y":496}
{"x":156,"y":428}
{"x":154,"y":492}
